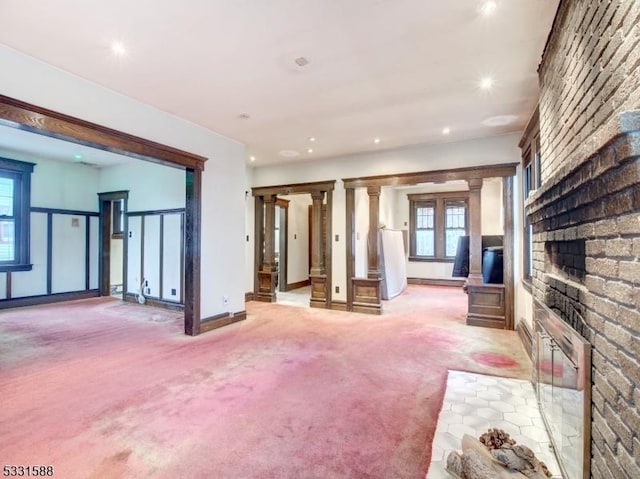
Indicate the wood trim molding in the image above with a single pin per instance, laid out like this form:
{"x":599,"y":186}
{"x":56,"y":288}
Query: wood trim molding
{"x":490,"y":171}
{"x":293,"y":188}
{"x":452,"y":195}
{"x":337,"y":305}
{"x":58,"y":125}
{"x":437,"y":281}
{"x":526,"y":337}
{"x":248,"y":296}
{"x":349,"y":241}
{"x":298,"y":285}
{"x":220,"y":320}
{"x":48,"y":298}
{"x":155,"y":302}
{"x":16,"y":113}
{"x":509,"y":253}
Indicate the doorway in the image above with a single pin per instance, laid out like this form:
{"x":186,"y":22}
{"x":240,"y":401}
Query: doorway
{"x":112,"y":254}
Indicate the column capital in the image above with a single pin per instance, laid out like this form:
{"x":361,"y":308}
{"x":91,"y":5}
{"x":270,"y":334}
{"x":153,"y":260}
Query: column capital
{"x":317,"y":195}
{"x":474,"y":183}
{"x":270,"y":198}
{"x":373,"y":190}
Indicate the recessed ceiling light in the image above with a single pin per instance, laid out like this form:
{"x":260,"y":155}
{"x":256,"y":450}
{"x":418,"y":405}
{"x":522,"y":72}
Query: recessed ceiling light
{"x":376,"y":140}
{"x":488,"y":8}
{"x":118,"y":49}
{"x":252,"y":159}
{"x":486,"y":83}
{"x":312,"y":139}
{"x":77,"y":156}
{"x":244,"y":116}
{"x":446,"y":130}
{"x":310,"y":150}
{"x":289,"y":153}
{"x":301,"y":61}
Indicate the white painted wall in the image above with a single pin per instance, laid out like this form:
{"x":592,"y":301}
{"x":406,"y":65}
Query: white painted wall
{"x":171,"y":266}
{"x":492,"y":211}
{"x":485,"y":151}
{"x":361,"y":232}
{"x":523,"y":310}
{"x":298,"y":238}
{"x":223,"y":180}
{"x":151,"y":186}
{"x":34,"y":282}
{"x":116,"y":259}
{"x":59,"y":185}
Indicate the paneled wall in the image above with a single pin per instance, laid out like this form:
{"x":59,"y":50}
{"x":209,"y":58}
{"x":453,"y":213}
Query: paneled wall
{"x":64,"y":254}
{"x":155,"y":254}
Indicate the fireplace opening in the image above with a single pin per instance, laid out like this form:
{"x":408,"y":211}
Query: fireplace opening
{"x":567,"y":259}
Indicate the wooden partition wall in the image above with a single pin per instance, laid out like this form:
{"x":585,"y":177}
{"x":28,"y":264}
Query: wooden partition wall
{"x":489,"y":305}
{"x":266,"y":271}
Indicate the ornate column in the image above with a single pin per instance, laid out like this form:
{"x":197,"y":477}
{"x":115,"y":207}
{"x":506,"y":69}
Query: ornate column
{"x":475,"y":231}
{"x":366,"y":291}
{"x":317,"y":274}
{"x":268,"y":270}
{"x":317,"y":241}
{"x":372,"y":239}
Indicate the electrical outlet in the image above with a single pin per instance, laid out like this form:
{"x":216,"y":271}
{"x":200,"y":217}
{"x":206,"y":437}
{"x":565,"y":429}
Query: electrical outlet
{"x":295,"y":236}
{"x":337,"y":237}
{"x":247,"y":238}
{"x":225,"y":300}
{"x":146,"y":283}
{"x":173,"y":291}
{"x":337,"y":289}
{"x":148,"y":290}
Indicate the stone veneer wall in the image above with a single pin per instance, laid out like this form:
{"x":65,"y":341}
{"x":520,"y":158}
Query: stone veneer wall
{"x":589,"y":203}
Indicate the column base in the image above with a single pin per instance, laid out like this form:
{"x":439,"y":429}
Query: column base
{"x":486,"y":306}
{"x":266,"y":286}
{"x":318,"y":291}
{"x":366,"y":295}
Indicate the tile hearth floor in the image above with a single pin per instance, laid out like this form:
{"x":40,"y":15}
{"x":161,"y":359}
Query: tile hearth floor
{"x":474,"y":403}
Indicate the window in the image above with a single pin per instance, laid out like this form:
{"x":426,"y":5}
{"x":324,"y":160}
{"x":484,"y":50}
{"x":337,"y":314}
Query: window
{"x":437,"y":220}
{"x":15,"y":202}
{"x":117,"y":224}
{"x":531,"y":181}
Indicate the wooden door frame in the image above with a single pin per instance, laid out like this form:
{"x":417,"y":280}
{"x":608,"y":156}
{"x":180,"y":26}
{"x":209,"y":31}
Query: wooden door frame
{"x":298,"y":188}
{"x":283,"y":259}
{"x":28,"y":117}
{"x":104,"y":235}
{"x":505,"y":171}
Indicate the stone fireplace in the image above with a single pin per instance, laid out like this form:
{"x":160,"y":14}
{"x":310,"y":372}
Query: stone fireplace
{"x":586,"y":274}
{"x":585,"y":212}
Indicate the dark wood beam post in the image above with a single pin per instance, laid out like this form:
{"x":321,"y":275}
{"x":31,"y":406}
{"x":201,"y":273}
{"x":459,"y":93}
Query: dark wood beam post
{"x":317,"y":241}
{"x":508,"y":255}
{"x":318,"y":273}
{"x":269,"y":263}
{"x":349,"y":240}
{"x":372,"y":238}
{"x":268,"y":273}
{"x":475,"y":231}
{"x":193,"y":226}
{"x":258,"y":243}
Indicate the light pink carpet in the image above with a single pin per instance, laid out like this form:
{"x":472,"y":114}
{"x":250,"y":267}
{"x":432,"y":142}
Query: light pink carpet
{"x":103,"y":389}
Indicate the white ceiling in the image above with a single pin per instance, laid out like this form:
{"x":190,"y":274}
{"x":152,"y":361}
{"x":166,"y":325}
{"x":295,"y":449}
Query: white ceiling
{"x":27,"y":146}
{"x":400,"y":70}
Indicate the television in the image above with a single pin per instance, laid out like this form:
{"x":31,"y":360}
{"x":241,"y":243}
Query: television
{"x":461,"y":263}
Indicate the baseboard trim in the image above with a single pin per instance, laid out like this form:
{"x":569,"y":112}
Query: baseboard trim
{"x":298,"y":285}
{"x":367,"y":308}
{"x":525,"y":336}
{"x":220,"y":320}
{"x":156,"y":303}
{"x":339,"y":305}
{"x":248,"y":296}
{"x":48,"y":299}
{"x":436,"y":281}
